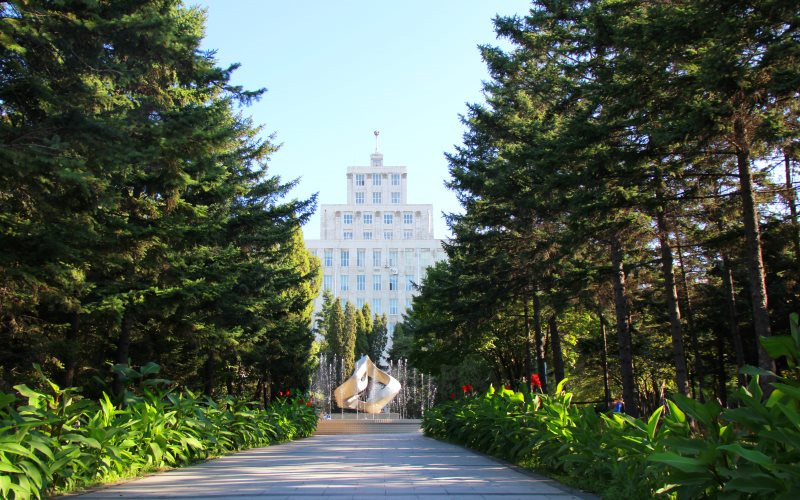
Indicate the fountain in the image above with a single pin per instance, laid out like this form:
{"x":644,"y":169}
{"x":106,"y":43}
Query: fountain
{"x":416,"y":394}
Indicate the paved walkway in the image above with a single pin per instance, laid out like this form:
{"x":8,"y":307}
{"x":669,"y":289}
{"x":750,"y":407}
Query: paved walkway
{"x":347,"y":466}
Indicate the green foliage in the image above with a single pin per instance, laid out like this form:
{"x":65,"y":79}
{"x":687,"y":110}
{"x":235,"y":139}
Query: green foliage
{"x":138,"y":219}
{"x":692,"y":449}
{"x":57,"y":441}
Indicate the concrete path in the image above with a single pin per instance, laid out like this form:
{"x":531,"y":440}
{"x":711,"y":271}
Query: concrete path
{"x":347,"y":466}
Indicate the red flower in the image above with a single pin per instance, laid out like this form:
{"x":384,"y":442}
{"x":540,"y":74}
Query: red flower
{"x":452,"y":395}
{"x":535,"y":380}
{"x":280,"y":394}
{"x":308,"y":403}
{"x":288,"y":393}
{"x":464,"y":389}
{"x":508,"y":387}
{"x":469,"y":387}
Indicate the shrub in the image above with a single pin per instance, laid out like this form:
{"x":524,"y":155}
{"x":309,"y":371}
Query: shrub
{"x":58,"y":441}
{"x":686,"y":448}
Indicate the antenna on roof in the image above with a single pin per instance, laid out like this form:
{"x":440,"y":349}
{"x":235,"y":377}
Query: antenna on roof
{"x":377,"y":133}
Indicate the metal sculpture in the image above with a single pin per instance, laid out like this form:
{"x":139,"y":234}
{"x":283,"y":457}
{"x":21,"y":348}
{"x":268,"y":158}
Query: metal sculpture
{"x":384,"y":389}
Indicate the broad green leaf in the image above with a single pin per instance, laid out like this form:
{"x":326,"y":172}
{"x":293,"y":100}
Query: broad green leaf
{"x":157,"y":452}
{"x":7,"y":467}
{"x":676,"y":412}
{"x":27,"y":392}
{"x":16,"y":449}
{"x":41,"y":446}
{"x":5,"y":485}
{"x":759,"y":484}
{"x":749,"y":455}
{"x":779,"y":346}
{"x":150,"y":368}
{"x":560,"y":386}
{"x":6,"y":399}
{"x":686,"y":464}
{"x":77,"y":438}
{"x":652,"y":423}
{"x":33,"y":473}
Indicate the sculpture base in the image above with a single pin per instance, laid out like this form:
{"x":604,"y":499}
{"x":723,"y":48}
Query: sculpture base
{"x":367,"y":425}
{"x":351,"y":415}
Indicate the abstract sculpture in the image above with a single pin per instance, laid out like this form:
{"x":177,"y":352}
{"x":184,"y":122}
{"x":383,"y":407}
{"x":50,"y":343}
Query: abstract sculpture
{"x":384,"y":389}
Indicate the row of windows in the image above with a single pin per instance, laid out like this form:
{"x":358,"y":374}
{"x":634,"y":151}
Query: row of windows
{"x":361,"y":257}
{"x":376,"y":179}
{"x":376,"y":198}
{"x":388,"y":219}
{"x":376,"y":305}
{"x":387,"y":235}
{"x":377,"y":282}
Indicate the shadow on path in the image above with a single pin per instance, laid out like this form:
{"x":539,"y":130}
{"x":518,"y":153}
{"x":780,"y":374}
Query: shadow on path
{"x":343,"y":467}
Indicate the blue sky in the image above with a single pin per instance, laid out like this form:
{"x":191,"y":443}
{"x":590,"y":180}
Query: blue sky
{"x":336,"y":71}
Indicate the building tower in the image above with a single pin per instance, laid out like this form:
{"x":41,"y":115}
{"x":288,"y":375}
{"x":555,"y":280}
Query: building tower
{"x":376,"y":246}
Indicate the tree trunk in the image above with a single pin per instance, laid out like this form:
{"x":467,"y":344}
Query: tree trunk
{"x":558,"y":359}
{"x":123,"y":350}
{"x":528,"y":367}
{"x":722,"y":390}
{"x":209,"y":379}
{"x":791,"y":197}
{"x":537,"y":325}
{"x":71,"y":361}
{"x":733,"y":322}
{"x":623,"y":332}
{"x":698,"y":366}
{"x":673,"y":308}
{"x":755,"y":262}
{"x":606,"y":391}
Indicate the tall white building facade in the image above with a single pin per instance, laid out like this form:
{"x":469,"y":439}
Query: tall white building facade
{"x":375,"y":247}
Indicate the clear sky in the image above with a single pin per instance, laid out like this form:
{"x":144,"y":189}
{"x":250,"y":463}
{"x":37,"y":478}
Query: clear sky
{"x":337,"y":70}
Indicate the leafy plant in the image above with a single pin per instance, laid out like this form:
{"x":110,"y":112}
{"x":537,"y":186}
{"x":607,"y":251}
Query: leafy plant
{"x":57,"y":441}
{"x":685,"y":448}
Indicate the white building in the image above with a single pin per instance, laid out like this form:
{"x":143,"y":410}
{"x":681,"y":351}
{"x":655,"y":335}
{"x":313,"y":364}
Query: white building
{"x":376,"y":246}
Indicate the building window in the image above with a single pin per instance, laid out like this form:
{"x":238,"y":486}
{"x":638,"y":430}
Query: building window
{"x":359,"y":179}
{"x":376,"y":198}
{"x":408,"y":234}
{"x":395,"y":179}
{"x":367,"y":217}
{"x":408,"y":218}
{"x":327,"y":282}
{"x":360,"y":257}
{"x":359,"y":198}
{"x":361,"y":282}
{"x":392,"y":306}
{"x":388,"y":219}
{"x":348,"y":217}
{"x":393,"y":282}
{"x":376,"y":258}
{"x":328,"y":257}
{"x":345,"y":282}
{"x":376,"y":179}
{"x":345,"y":257}
{"x":387,"y":235}
{"x":409,"y":282}
{"x":376,"y":306}
{"x":409,"y":256}
{"x":360,"y":302}
{"x":395,"y":197}
{"x":376,"y":282}
{"x":348,"y":235}
{"x":392,"y":258}
{"x":367,"y":235}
